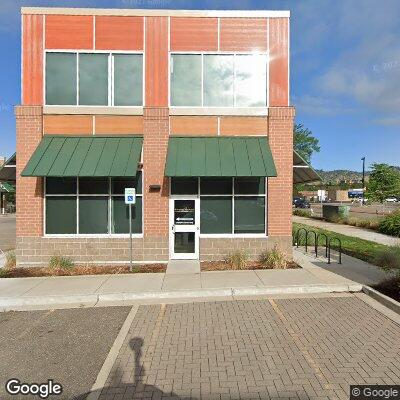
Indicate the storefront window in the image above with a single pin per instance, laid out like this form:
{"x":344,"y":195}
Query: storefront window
{"x":227,"y":205}
{"x":218,"y":80}
{"x":94,"y":79}
{"x":83,"y":206}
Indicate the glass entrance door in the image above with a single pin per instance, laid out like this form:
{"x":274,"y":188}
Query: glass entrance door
{"x":184,"y":228}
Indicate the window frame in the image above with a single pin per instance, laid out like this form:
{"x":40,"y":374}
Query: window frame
{"x":219,"y":53}
{"x":76,"y":195}
{"x":110,"y":54}
{"x":232,"y":195}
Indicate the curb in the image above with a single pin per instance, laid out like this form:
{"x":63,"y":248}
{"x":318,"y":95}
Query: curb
{"x":91,"y":300}
{"x":383,"y":299}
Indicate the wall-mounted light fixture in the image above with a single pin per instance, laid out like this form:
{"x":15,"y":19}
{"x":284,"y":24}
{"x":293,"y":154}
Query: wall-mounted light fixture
{"x":155,"y":188}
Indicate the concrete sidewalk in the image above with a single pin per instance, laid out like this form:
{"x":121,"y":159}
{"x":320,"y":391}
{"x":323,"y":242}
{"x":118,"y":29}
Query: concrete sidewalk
{"x":348,"y":230}
{"x":99,"y":290}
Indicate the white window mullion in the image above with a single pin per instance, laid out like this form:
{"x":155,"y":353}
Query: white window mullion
{"x":77,"y":79}
{"x":110,"y":79}
{"x":202,"y":80}
{"x":234,"y":80}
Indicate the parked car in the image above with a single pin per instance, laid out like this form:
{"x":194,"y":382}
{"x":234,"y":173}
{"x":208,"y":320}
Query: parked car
{"x":392,"y":199}
{"x":299,"y":202}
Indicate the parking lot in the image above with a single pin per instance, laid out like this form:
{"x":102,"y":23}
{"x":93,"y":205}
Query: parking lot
{"x":263,"y":349}
{"x":295,"y":348}
{"x":7,"y":232}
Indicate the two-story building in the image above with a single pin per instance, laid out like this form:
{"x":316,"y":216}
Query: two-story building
{"x":191,"y":108}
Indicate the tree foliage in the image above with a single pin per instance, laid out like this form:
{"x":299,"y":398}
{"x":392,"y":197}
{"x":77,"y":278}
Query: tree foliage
{"x":384,"y":181}
{"x":305,"y":143}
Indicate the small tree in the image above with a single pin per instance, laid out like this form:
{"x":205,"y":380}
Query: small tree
{"x":305,"y":143}
{"x":384,"y":181}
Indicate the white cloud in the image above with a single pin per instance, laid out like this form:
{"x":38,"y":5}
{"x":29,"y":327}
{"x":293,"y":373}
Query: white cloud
{"x":320,"y":105}
{"x":360,"y":60}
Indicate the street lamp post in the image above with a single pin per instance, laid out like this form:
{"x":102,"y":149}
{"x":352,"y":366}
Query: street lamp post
{"x":363,"y":179}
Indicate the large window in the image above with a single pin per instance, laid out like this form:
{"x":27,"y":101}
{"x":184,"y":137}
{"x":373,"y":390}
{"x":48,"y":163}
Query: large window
{"x":223,"y":80}
{"x":94,"y":79}
{"x":91,"y":206}
{"x":227,"y":205}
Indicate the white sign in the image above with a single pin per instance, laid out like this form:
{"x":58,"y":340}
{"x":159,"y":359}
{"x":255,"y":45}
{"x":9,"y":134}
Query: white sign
{"x":130,"y":195}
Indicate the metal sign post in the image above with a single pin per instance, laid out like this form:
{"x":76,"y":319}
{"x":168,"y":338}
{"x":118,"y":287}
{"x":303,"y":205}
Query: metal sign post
{"x":130,"y":198}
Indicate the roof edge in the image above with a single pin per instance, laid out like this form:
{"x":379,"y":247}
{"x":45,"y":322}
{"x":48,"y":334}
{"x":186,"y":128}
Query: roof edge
{"x":157,"y":12}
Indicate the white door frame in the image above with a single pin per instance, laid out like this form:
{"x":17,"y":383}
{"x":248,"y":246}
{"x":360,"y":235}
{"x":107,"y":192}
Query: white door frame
{"x":184,"y":228}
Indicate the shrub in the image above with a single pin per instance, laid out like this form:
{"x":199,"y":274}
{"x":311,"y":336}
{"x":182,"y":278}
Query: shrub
{"x":390,"y":225}
{"x":238,"y":259}
{"x":61,"y":262}
{"x":273,"y":258}
{"x":11,"y":261}
{"x":302,"y":213}
{"x":389,"y":259}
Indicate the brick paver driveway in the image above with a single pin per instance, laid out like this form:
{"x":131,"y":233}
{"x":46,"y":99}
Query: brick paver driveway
{"x":278,"y":349}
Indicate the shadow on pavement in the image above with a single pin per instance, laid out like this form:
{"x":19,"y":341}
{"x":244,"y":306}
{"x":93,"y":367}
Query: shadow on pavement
{"x":136,"y":389}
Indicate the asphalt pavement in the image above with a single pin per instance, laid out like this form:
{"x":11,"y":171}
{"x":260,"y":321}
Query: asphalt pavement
{"x":68,"y":346}
{"x":7,"y":232}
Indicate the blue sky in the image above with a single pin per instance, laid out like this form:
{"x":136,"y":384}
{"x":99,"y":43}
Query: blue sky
{"x":345,"y":70}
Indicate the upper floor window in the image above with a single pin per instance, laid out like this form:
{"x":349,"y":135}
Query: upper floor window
{"x":223,"y":80}
{"x":94,"y":79}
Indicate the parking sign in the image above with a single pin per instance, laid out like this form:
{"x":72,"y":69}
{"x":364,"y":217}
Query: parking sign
{"x":130,"y":195}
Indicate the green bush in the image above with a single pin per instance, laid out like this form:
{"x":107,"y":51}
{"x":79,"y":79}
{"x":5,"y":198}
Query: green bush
{"x":389,"y":259}
{"x":301,"y":212}
{"x":238,"y":259}
{"x":57,"y":262}
{"x":390,"y":225}
{"x":273,"y":258}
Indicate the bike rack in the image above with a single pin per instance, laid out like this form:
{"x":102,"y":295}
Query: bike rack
{"x":326,"y":243}
{"x":329,"y":249}
{"x":298,"y":234}
{"x":315,"y":241}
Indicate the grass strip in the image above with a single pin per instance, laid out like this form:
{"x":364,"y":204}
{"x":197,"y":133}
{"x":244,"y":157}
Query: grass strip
{"x":355,"y":247}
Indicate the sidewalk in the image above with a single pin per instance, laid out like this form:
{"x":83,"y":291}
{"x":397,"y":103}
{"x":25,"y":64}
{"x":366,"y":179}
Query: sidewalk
{"x":101,"y":290}
{"x":348,"y":230}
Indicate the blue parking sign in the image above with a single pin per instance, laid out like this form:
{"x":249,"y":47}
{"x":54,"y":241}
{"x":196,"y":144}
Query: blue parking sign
{"x":130,"y":196}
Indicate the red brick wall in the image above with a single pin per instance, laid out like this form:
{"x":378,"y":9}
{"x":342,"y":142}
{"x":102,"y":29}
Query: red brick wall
{"x":29,"y":192}
{"x":156,"y":133}
{"x":280,"y":188}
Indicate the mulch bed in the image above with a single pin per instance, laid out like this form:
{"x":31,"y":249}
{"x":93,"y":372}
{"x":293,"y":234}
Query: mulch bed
{"x":82,"y":270}
{"x":389,"y":287}
{"x":250,"y":265}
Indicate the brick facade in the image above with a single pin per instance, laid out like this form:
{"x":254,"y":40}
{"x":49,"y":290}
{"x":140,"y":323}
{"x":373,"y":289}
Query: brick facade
{"x":280,"y":188}
{"x":36,"y":251}
{"x":219,"y":248}
{"x":29,"y":190}
{"x":69,"y":32}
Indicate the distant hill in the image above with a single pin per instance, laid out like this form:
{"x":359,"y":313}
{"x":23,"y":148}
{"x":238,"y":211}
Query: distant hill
{"x":344,"y":175}
{"x":341,"y":175}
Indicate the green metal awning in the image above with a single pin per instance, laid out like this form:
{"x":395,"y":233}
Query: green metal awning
{"x":219,"y":156}
{"x":63,"y":156}
{"x":7,"y":170}
{"x":7,"y":188}
{"x":302,"y":171}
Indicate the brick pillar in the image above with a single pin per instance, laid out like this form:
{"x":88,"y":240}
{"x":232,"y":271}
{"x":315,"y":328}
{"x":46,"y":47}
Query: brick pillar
{"x":280,"y":189}
{"x":156,"y":229}
{"x":29,"y":190}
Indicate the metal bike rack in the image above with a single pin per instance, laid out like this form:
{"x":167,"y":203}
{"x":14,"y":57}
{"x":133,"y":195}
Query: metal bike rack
{"x":298,"y":234}
{"x":326,"y":243}
{"x":329,"y":249}
{"x":315,"y":241}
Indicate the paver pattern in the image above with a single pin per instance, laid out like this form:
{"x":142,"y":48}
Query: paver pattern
{"x":261,"y":349}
